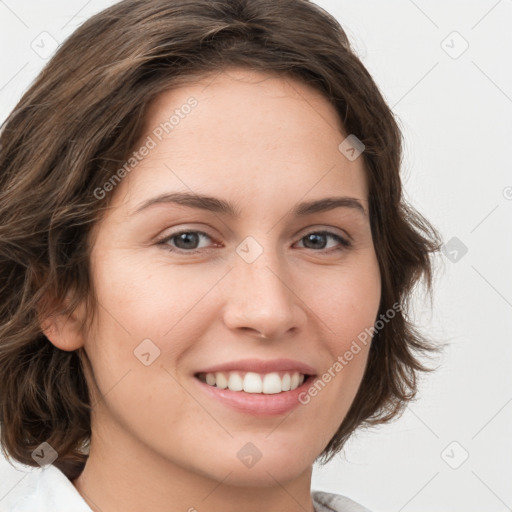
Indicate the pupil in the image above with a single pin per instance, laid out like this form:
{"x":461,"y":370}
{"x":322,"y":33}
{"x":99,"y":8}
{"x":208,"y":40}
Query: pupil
{"x":316,"y":237}
{"x":186,"y":237}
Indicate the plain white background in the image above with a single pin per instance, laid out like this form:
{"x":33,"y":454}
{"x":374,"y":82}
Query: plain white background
{"x":444,"y":68}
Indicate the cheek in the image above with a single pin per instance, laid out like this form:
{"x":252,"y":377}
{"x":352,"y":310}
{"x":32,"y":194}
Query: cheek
{"x":346,"y":300}
{"x":346,"y":316}
{"x":149,"y":296}
{"x":148,"y":313}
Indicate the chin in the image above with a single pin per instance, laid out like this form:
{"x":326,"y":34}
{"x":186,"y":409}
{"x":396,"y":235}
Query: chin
{"x":263,"y":475}
{"x":252,"y":467}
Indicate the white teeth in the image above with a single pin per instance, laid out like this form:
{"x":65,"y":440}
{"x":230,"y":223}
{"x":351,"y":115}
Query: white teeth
{"x":235,"y":382}
{"x":220,"y":380}
{"x":251,"y":382}
{"x":295,"y":381}
{"x":287,"y":381}
{"x":272,"y":384}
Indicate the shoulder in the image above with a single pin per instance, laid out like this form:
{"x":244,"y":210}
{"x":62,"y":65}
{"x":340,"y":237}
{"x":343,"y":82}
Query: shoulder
{"x":328,"y":502}
{"x":28,"y":489}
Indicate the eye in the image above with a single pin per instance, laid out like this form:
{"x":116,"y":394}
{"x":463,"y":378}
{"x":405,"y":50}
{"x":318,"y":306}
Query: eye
{"x":316,"y":240}
{"x":185,"y":240}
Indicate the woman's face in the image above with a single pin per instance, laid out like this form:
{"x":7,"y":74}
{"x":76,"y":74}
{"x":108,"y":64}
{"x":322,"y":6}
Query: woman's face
{"x":173,"y":308}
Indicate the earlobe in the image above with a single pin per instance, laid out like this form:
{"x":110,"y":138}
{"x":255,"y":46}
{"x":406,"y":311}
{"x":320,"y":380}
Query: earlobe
{"x":62,"y":333}
{"x":63,"y":330}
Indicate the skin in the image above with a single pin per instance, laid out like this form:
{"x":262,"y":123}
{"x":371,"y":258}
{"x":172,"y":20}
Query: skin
{"x":159,"y":443}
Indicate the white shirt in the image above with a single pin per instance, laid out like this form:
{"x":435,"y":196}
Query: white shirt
{"x":27,"y":489}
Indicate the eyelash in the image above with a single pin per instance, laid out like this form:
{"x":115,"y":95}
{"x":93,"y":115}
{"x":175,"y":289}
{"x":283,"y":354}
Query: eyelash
{"x":342,"y":241}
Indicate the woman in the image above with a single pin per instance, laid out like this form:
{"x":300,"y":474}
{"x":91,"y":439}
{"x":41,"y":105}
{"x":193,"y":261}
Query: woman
{"x":144,"y":374}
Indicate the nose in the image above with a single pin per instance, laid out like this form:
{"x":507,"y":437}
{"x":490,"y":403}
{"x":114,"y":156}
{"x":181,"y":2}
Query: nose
{"x":261,"y":300}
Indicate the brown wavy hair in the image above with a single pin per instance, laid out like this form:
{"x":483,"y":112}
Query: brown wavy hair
{"x":77,"y":124}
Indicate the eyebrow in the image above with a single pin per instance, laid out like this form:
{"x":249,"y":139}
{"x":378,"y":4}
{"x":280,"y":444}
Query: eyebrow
{"x":220,"y":206}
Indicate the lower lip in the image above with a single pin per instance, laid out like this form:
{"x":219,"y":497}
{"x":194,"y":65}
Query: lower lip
{"x":258,"y":403}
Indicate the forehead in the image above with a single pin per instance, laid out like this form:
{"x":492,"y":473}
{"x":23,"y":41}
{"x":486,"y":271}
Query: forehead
{"x":238,"y":89}
{"x":249,"y":134}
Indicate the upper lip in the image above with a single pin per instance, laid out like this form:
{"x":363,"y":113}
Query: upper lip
{"x":261,"y":366}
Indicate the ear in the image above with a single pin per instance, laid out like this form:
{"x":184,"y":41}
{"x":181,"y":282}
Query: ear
{"x":64,"y":330}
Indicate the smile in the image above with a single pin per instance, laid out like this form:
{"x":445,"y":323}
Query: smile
{"x":255,"y":386}
{"x":252,"y":382}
